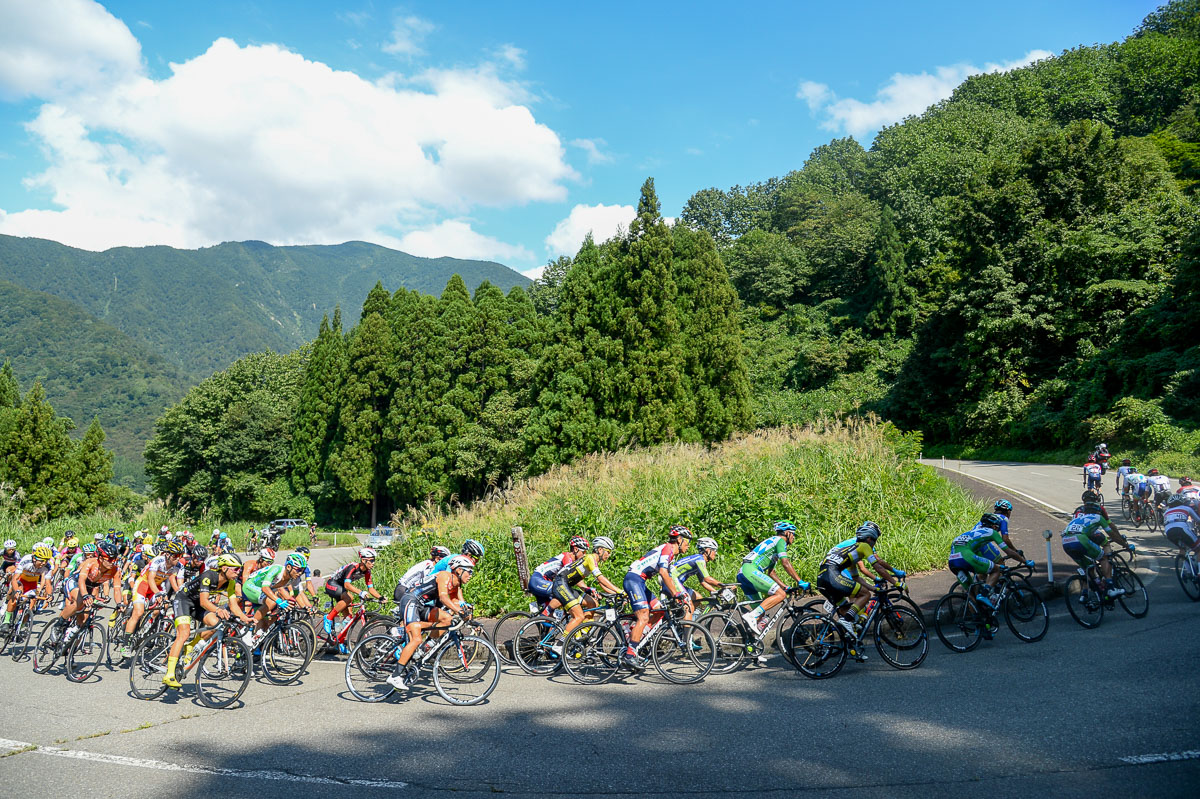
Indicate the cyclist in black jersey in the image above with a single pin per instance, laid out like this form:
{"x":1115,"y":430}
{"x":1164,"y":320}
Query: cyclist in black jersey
{"x":196,"y":600}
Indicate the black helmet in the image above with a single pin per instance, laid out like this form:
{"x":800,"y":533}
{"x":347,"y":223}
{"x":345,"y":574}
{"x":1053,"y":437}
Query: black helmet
{"x":1091,"y":496}
{"x":990,"y":520}
{"x":107,"y":548}
{"x":868,"y":532}
{"x":1125,"y":462}
{"x":200,"y":553}
{"x":1177,"y":499}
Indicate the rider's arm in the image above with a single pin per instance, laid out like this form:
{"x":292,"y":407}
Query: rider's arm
{"x":669,"y":582}
{"x":885,"y":570}
{"x":443,"y":586}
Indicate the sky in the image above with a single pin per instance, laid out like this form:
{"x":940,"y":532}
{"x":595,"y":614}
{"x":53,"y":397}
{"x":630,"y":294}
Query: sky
{"x":497,"y":131}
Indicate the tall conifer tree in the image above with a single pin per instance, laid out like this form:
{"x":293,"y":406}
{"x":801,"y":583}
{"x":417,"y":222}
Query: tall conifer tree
{"x":39,"y":457}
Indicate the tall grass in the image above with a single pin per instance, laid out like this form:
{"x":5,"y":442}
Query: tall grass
{"x":826,"y":482}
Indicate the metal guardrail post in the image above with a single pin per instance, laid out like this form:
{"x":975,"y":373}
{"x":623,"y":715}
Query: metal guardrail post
{"x":1049,"y":563}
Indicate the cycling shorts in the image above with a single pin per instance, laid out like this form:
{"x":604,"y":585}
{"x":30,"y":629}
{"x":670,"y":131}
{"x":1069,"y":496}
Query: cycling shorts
{"x":837,"y":584}
{"x":28,"y":585}
{"x":635,"y":586}
{"x":70,"y":584}
{"x":186,"y":609}
{"x":142,"y":592}
{"x":252,"y":593}
{"x":1181,"y":535}
{"x":540,"y":587}
{"x":755,"y":583}
{"x":1082,"y":549}
{"x":567,"y":596}
{"x":412,"y":609}
{"x":964,"y":564}
{"x":1093,"y":481}
{"x":337,"y":592}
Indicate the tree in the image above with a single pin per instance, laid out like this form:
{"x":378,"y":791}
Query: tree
{"x":544,"y":291}
{"x":38,"y":461}
{"x":316,"y":420}
{"x":892,"y":302}
{"x":93,"y":467}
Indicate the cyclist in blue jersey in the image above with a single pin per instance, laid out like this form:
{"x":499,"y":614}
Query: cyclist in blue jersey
{"x":471,"y":548}
{"x":696,"y":566}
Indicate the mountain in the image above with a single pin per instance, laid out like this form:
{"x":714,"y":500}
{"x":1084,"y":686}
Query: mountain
{"x":123,"y":333}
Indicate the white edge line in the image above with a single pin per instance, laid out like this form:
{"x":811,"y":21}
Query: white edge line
{"x":973,"y":476}
{"x":1163,"y":757}
{"x":159,"y":765}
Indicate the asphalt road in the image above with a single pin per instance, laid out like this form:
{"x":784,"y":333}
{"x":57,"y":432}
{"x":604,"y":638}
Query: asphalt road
{"x":1081,"y":713}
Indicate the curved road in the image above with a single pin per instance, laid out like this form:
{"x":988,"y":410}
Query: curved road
{"x":1082,"y":713}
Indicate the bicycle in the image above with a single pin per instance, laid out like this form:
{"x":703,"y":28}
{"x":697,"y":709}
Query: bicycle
{"x":158,"y":618}
{"x":21,"y":628}
{"x":362,"y":622}
{"x":1187,"y":570}
{"x":222,"y":663}
{"x":538,"y":644}
{"x":821,"y":647}
{"x":466,"y":668}
{"x":286,"y":646}
{"x":961,"y":621}
{"x":82,"y":652}
{"x":504,"y":631}
{"x":735,"y":640}
{"x":1087,"y":599}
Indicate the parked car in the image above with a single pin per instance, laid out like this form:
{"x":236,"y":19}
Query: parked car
{"x":381,"y":537}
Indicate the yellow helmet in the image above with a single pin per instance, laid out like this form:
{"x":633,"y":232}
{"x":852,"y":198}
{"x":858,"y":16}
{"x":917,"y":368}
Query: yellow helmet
{"x":43,"y":552}
{"x":72,"y":542}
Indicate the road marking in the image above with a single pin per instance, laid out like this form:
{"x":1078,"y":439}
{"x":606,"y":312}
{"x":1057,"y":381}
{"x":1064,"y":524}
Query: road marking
{"x":1041,"y":502}
{"x":1040,"y":474}
{"x":159,"y":765}
{"x":1164,"y":757}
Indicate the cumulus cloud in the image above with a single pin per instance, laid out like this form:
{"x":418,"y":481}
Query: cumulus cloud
{"x":903,"y":95}
{"x":456,"y":238}
{"x":593,"y":149}
{"x":602,"y":221}
{"x":51,"y":47}
{"x":259,"y":142}
{"x":407,"y":34}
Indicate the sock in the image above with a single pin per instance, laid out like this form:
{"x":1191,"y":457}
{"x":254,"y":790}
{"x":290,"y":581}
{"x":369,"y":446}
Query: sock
{"x":171,"y":667}
{"x":331,"y":615}
{"x":754,"y":614}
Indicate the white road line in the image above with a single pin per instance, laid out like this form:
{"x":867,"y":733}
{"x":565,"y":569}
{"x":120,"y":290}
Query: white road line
{"x":1164,"y":757}
{"x":1040,"y":474}
{"x":159,"y":765}
{"x":1041,"y":502}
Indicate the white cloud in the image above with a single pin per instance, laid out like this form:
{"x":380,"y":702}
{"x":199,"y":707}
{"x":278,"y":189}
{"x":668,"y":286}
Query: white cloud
{"x":50,"y":47}
{"x":259,"y":142}
{"x":602,"y":221}
{"x":455,"y":238}
{"x":592,"y":147}
{"x":407,"y":34}
{"x":902,"y":96}
{"x":511,"y":54}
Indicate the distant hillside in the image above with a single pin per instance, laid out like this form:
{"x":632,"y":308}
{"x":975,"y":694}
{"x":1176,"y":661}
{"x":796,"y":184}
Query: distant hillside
{"x":87,"y":367}
{"x":123,"y":333}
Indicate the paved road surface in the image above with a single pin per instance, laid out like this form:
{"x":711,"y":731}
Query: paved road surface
{"x":1082,"y":713}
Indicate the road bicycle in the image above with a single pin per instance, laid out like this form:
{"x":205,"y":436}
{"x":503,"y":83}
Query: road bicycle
{"x":286,"y":647}
{"x":962,"y":621}
{"x":464,"y":663}
{"x":159,"y":617}
{"x":1187,"y":569}
{"x":734,"y":639}
{"x":1087,"y":598}
{"x":504,"y":631}
{"x":21,"y":629}
{"x":82,"y":651}
{"x":361,"y":623}
{"x":222,"y":664}
{"x":537,"y":644}
{"x":821,"y":645}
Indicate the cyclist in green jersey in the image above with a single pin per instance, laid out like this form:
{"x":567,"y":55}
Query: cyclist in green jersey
{"x":757,"y":577}
{"x":269,"y":588}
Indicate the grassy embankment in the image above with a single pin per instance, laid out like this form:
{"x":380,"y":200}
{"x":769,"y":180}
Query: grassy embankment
{"x":826,"y":483}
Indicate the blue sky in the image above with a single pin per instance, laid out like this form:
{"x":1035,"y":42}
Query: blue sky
{"x":484,"y":130}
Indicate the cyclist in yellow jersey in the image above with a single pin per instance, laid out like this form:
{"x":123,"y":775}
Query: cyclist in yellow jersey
{"x":842,"y":575}
{"x":577,"y":574}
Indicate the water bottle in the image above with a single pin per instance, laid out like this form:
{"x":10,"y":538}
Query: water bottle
{"x":339,"y":624}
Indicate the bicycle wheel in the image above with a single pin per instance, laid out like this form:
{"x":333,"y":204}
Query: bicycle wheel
{"x":47,"y":648}
{"x":901,"y":638}
{"x":466,"y":669}
{"x":370,"y":664}
{"x":783,"y":638}
{"x":148,"y":665}
{"x":1024,"y":611}
{"x":592,"y":653}
{"x":685,"y":654}
{"x":533,"y":644}
{"x":729,"y":638}
{"x":1135,"y":600}
{"x":1127,"y":508}
{"x":504,"y":633}
{"x":958,"y":622}
{"x":22,"y":631}
{"x":285,"y":654}
{"x":1152,"y":520}
{"x":1085,"y":604}
{"x":224,"y":672}
{"x":87,"y":649}
{"x":819,"y":646}
{"x":1188,"y":573}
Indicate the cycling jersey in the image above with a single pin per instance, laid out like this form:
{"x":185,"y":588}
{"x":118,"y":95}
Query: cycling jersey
{"x":157,"y":573}
{"x":552,"y":567}
{"x":657,"y":558}
{"x":30,"y":571}
{"x":1190,"y":491}
{"x":764,"y":556}
{"x":1160,"y":482}
{"x":444,"y":564}
{"x":348,"y":574}
{"x":1123,"y":473}
{"x":849,"y":552}
{"x":252,"y":589}
{"x":690,"y":566}
{"x":9,"y":558}
{"x":73,"y":565}
{"x":1092,"y":470}
{"x":579,"y":571}
{"x":1091,"y":507}
{"x":975,"y":551}
{"x":1181,"y":523}
{"x":1084,"y":538}
{"x":417,"y":574}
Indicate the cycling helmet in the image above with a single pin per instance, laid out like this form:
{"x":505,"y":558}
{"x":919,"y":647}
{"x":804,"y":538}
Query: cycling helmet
{"x":297,"y":561}
{"x":1153,"y":472}
{"x":89,"y":549}
{"x":164,"y":529}
{"x":990,"y":520}
{"x":107,"y":549}
{"x":1185,"y":481}
{"x":1125,"y":462}
{"x":1002,"y":506}
{"x":174,"y":548}
{"x":200,"y":553}
{"x":784,"y":526}
{"x":473,"y":549}
{"x":579,"y":542}
{"x":223,"y":537}
{"x":678,"y":531}
{"x":10,"y":544}
{"x":707,"y":543}
{"x":438,"y":552}
{"x":48,"y":541}
{"x":266,"y":553}
{"x":71,"y":542}
{"x":229,"y":560}
{"x":366,"y":553}
{"x":602,"y":542}
{"x":148,"y":550}
{"x":867,"y":532}
{"x":42,"y":552}
{"x":98,"y":537}
{"x":1090,"y":496}
{"x":461,"y":562}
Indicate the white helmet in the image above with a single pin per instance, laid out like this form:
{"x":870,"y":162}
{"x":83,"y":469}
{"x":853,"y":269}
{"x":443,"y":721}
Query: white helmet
{"x":707,"y":543}
{"x":602,"y":542}
{"x":10,"y":544}
{"x":211,"y":562}
{"x":366,"y":552}
{"x":48,"y":541}
{"x":216,"y":531}
{"x":460,"y":562}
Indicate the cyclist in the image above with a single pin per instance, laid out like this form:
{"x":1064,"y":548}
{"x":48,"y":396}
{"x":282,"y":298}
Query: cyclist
{"x":1181,"y":521}
{"x":757,"y":577}
{"x":98,"y":567}
{"x":32,"y":575}
{"x":696,"y":566}
{"x":164,"y":573}
{"x":9,"y":558}
{"x":423,"y":607}
{"x":842,"y":579}
{"x":1161,"y":485}
{"x":1138,"y":486}
{"x":265,"y":557}
{"x":1101,"y":456}
{"x":419,"y":572}
{"x":67,"y":550}
{"x":656,"y":563}
{"x":195,"y":600}
{"x":338,"y":587}
{"x":269,"y":588}
{"x":541,"y":581}
{"x":576,"y":574}
{"x":1003,"y":509}
{"x":1187,"y":488}
{"x":1123,"y":472}
{"x":1092,"y":474}
{"x":471,"y":548}
{"x":978,"y":552}
{"x":1084,"y":540}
